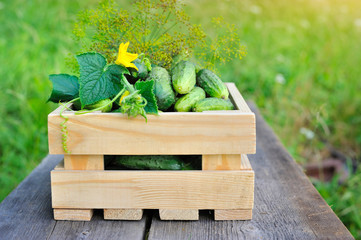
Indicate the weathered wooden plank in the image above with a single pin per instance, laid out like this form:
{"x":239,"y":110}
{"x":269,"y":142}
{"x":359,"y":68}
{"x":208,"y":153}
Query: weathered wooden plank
{"x":27,"y":214}
{"x":27,"y":211}
{"x":233,"y":214}
{"x":60,"y":165}
{"x":287,"y":206}
{"x":152,"y":189}
{"x":98,"y":228}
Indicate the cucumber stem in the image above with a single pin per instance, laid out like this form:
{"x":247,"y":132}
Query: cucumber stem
{"x":127,"y":85}
{"x":64,"y":128}
{"x":100,"y":108}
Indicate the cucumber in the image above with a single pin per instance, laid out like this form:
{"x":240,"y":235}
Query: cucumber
{"x":142,"y":68}
{"x":185,"y":103}
{"x":211,"y":104}
{"x":178,"y":58}
{"x":142,"y":72}
{"x":212,"y":84}
{"x":162,"y":88}
{"x":153,"y":162}
{"x":101,"y":103}
{"x":184,"y":77}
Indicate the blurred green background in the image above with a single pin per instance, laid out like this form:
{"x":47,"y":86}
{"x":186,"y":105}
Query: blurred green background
{"x":302,"y":69}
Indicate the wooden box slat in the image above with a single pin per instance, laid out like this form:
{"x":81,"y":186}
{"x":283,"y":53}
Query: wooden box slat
{"x":219,"y":132}
{"x":152,"y":189}
{"x":223,"y":138}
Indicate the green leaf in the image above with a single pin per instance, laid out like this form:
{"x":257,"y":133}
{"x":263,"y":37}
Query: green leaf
{"x":97,"y":80}
{"x":65,"y":87}
{"x":146,"y":90}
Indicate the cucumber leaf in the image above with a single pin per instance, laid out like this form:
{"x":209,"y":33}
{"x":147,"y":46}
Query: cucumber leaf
{"x":97,"y":80}
{"x":146,"y":90}
{"x":65,"y":87}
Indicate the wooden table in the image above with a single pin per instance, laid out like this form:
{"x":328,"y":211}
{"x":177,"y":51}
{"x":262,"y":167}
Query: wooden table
{"x":287,"y":206}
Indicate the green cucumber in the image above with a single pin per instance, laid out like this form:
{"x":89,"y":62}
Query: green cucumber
{"x":178,"y":58}
{"x":211,"y":104}
{"x":185,"y":103}
{"x":99,"y":104}
{"x":212,"y":84}
{"x":153,"y":162}
{"x":184,"y":77}
{"x":142,"y":72}
{"x":142,"y":68}
{"x":162,"y":88}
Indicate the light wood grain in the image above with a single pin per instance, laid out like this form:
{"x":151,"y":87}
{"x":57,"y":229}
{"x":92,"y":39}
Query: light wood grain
{"x":192,"y":133}
{"x":233,"y":214}
{"x":237,"y":98}
{"x":78,"y":162}
{"x":225,"y":162}
{"x":73,"y":214}
{"x":287,"y":205}
{"x":228,"y":162}
{"x":123,"y":214}
{"x":245,"y":164}
{"x":26,"y":213}
{"x":152,"y":189}
{"x":226,"y":132}
{"x":178,"y":214}
{"x":83,"y":162}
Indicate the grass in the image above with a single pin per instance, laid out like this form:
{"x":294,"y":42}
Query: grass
{"x":34,"y":39}
{"x":345,"y":200}
{"x":302,"y":70}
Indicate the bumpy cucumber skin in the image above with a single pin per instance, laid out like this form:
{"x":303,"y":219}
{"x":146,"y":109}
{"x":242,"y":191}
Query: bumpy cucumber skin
{"x":184,"y":77}
{"x":212,"y":84}
{"x":185,"y":103}
{"x":152,"y":162}
{"x":142,"y":68}
{"x":177,"y":59}
{"x":162,"y":88}
{"x":100,"y":104}
{"x":212,"y":104}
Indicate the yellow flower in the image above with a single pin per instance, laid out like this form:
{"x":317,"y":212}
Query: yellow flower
{"x":126,"y":93}
{"x":125,"y":58}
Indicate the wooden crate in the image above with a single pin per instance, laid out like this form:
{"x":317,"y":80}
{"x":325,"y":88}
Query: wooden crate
{"x":225,"y":184}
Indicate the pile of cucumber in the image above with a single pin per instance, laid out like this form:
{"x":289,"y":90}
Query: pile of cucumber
{"x":186,"y":90}
{"x":153,"y":162}
{"x":182,"y":89}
